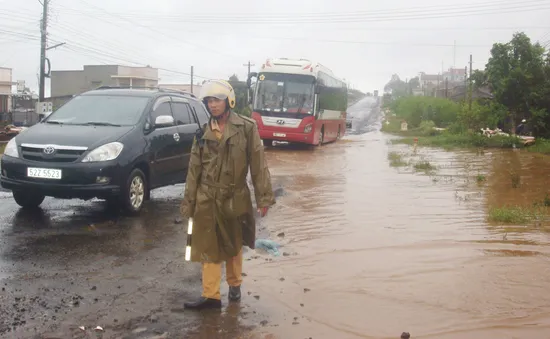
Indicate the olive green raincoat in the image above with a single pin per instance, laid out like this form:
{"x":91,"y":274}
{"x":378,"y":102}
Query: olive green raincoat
{"x":217,"y":195}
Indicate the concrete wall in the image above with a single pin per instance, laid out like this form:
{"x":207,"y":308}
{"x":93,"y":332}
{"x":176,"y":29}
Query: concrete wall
{"x":5,"y":89}
{"x":99,"y":75}
{"x":66,"y":82}
{"x":92,"y":76}
{"x":5,"y":80}
{"x":144,"y":72}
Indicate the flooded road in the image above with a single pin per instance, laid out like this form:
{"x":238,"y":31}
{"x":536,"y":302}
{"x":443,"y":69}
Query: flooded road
{"x":384,"y":250}
{"x":370,"y":250}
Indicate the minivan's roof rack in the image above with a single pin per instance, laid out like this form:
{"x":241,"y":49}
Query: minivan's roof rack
{"x":160,"y":89}
{"x":170,"y":90}
{"x":125,"y":87}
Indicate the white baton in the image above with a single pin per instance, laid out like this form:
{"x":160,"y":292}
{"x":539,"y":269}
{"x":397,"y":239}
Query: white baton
{"x":189,"y":235}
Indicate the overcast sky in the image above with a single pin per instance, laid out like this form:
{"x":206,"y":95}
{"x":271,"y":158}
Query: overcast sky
{"x":364,"y":42}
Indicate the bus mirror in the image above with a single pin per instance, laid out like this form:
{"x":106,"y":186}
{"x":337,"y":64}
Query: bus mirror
{"x":317,"y":89}
{"x":249,"y":79}
{"x":250,"y":96}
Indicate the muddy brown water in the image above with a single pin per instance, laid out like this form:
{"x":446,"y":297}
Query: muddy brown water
{"x":374,"y":250}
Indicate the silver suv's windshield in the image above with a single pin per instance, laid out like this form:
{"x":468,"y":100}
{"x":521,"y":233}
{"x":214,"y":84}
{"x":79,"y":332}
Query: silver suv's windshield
{"x":101,"y":110}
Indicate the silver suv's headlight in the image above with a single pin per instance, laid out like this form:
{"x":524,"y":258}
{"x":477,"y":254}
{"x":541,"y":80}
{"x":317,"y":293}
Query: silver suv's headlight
{"x":11,"y":149}
{"x":106,"y":152}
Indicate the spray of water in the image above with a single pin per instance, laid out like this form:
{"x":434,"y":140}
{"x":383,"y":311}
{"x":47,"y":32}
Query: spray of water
{"x":365,"y":116}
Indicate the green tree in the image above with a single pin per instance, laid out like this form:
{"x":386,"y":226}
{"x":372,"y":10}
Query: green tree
{"x":416,"y":109}
{"x":397,"y":87}
{"x":479,"y":78}
{"x":241,"y":106}
{"x":514,"y":71}
{"x":414,"y":83}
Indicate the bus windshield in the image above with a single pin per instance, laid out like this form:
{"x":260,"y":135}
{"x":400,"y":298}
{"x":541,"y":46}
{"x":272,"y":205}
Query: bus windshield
{"x":284,"y":93}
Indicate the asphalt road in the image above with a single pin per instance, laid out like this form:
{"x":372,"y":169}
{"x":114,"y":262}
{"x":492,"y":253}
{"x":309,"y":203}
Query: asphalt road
{"x":75,"y":263}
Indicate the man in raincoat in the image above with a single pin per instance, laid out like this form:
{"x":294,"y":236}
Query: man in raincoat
{"x":217,"y":195}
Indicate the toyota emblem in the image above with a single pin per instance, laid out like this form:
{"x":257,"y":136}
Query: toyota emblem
{"x":49,"y":150}
{"x":280,"y":122}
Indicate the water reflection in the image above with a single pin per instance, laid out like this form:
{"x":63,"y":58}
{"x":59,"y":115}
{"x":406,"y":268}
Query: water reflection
{"x":226,"y":324}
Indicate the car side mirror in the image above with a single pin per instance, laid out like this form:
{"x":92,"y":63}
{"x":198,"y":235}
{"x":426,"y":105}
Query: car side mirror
{"x":164,"y":121}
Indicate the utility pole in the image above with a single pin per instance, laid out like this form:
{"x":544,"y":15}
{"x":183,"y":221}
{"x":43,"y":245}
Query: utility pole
{"x":43,"y":43}
{"x":465,"y":83}
{"x":437,"y":88}
{"x":446,"y":87}
{"x":191,"y":79}
{"x":470,"y":90}
{"x":247,"y":77}
{"x":248,"y":65}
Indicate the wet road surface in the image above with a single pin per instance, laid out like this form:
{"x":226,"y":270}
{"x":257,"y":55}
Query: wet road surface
{"x":369,"y":251}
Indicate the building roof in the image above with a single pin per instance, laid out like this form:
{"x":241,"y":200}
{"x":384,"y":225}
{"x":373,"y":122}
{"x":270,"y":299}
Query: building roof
{"x":430,"y":77}
{"x":133,"y":77}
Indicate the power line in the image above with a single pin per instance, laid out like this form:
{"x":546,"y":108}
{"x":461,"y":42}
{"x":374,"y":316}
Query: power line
{"x":76,"y":47}
{"x":384,"y":15}
{"x":24,"y":17}
{"x":179,"y":40}
{"x":81,"y":47}
{"x":324,"y":15}
{"x":88,"y":51}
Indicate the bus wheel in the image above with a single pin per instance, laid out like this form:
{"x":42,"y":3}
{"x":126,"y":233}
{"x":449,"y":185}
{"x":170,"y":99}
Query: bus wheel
{"x":321,"y":136}
{"x":268,"y":142}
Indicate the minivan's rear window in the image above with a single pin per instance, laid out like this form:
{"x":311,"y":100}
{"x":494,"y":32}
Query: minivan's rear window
{"x":108,"y":109}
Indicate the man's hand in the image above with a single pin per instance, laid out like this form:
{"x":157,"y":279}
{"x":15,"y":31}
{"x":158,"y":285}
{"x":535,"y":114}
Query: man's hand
{"x":263,"y":211}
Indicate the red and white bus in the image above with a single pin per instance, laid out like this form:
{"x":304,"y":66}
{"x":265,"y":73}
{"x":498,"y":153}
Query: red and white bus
{"x":298,"y":101}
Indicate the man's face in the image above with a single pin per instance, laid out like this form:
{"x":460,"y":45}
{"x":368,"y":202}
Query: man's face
{"x":216,"y":106}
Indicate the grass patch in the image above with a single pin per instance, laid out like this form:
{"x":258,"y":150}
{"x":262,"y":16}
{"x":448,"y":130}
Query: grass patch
{"x":424,"y":166}
{"x":540,"y":146}
{"x":2,"y":147}
{"x":394,"y":127}
{"x":396,"y":159}
{"x":480,"y":178}
{"x":448,"y":140}
{"x":515,"y":214}
{"x":427,"y":136}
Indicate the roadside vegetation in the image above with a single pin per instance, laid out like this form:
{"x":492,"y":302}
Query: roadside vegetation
{"x":514,"y":85}
{"x":398,"y":160}
{"x":523,"y":214}
{"x":517,"y":215}
{"x":2,"y":147}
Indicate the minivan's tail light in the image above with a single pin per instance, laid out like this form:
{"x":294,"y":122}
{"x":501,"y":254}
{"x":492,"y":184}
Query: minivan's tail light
{"x":308,"y":128}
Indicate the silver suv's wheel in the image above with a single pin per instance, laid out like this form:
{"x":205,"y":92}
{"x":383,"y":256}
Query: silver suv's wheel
{"x":135,"y":194}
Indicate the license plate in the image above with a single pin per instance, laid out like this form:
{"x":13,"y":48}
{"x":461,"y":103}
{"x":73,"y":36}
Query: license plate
{"x":44,"y":173}
{"x":281,"y":135}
